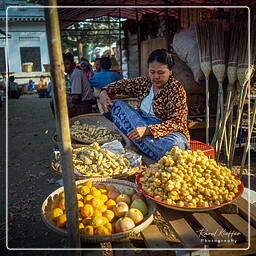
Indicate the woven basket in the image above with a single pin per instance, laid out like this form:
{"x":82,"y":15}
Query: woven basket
{"x":92,"y":119}
{"x":120,"y":184}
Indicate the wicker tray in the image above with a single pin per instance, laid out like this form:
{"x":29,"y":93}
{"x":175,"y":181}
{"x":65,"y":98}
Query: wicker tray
{"x":189,"y":209}
{"x":93,"y":119}
{"x":56,"y":168}
{"x":120,"y":184}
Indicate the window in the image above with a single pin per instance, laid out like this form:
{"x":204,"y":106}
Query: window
{"x":31,"y":54}
{"x":2,"y":60}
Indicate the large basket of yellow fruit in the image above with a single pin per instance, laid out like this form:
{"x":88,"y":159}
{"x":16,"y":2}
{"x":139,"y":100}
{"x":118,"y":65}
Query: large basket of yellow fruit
{"x":109,"y":210}
{"x":189,"y":181}
{"x":93,"y":127}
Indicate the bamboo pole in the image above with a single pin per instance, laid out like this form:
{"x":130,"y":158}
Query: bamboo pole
{"x":57,"y":73}
{"x":138,"y":37}
{"x":249,"y":136}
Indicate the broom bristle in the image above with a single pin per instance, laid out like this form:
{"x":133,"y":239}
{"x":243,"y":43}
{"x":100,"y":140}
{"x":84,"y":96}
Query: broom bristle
{"x":217,"y":39}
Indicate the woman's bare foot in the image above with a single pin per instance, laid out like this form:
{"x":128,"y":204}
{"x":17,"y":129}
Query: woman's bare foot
{"x":128,"y":144}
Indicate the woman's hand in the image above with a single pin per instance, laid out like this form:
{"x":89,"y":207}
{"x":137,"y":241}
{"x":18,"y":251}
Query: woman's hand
{"x":139,"y":133}
{"x":105,"y":100}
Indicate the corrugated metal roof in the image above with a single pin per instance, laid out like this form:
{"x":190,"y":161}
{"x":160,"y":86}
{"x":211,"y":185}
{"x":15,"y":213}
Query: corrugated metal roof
{"x":70,"y":16}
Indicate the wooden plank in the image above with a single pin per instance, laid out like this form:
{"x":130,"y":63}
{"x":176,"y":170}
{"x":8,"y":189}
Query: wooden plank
{"x":181,"y":227}
{"x":153,"y":238}
{"x":209,"y":224}
{"x":251,"y":251}
{"x":200,"y":125}
{"x":243,"y":209}
{"x":240,"y":224}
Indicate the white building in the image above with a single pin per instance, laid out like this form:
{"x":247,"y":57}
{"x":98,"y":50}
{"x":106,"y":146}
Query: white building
{"x":27,"y":41}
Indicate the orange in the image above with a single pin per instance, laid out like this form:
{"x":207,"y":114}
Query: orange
{"x":101,"y":186}
{"x":102,"y":231}
{"x":61,"y":221}
{"x":110,"y":203}
{"x":110,"y":215}
{"x":95,"y":192}
{"x":103,"y":191}
{"x":88,"y":198}
{"x":103,"y":208}
{"x":99,"y":221}
{"x":62,"y":204}
{"x":88,"y":230}
{"x":79,"y":197}
{"x":80,"y":204}
{"x":96,"y":203}
{"x":55,"y":204}
{"x":55,"y":213}
{"x":81,"y":225}
{"x":96,"y":213}
{"x":61,"y":195}
{"x":84,"y":190}
{"x":111,"y":187}
{"x":104,"y":198}
{"x":87,"y":211}
{"x":109,"y":227}
{"x":88,"y":184}
{"x":87,"y":221}
{"x":78,"y":187}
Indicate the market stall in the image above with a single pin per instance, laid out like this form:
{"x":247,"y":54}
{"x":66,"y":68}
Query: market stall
{"x":188,"y":194}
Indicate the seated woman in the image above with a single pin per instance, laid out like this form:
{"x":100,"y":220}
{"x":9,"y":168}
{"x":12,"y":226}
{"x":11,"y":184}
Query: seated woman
{"x":42,"y":87}
{"x":161,"y":122}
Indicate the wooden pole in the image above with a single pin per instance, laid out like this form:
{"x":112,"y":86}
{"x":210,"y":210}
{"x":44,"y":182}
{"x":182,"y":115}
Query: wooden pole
{"x":120,"y":42}
{"x":138,"y":37}
{"x":57,"y":73}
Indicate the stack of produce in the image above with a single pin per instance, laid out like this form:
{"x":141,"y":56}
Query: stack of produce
{"x":190,"y":179}
{"x":92,"y":133}
{"x":103,"y":210}
{"x":93,"y":160}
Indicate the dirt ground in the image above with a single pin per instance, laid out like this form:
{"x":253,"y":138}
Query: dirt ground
{"x":30,"y":178}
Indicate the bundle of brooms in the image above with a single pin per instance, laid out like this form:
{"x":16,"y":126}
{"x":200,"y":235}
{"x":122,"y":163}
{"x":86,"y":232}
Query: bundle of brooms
{"x":204,"y":44}
{"x":253,"y":85}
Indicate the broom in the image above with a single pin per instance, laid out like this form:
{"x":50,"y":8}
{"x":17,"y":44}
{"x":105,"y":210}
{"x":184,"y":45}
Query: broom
{"x":218,"y":67}
{"x":253,"y":66}
{"x":202,"y":30}
{"x":232,"y":76}
{"x":243,"y":75}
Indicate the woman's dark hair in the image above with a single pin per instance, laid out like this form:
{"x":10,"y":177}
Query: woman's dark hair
{"x":105,"y":63}
{"x":161,"y":56}
{"x":68,"y":56}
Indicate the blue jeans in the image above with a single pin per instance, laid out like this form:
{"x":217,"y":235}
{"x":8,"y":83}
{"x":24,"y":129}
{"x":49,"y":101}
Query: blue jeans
{"x":126,"y":118}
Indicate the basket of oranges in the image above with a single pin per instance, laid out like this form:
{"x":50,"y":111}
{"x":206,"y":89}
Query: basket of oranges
{"x":109,"y":210}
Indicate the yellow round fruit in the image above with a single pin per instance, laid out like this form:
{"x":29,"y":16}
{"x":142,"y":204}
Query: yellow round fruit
{"x":109,"y":226}
{"x":61,"y":221}
{"x":87,"y":221}
{"x":110,"y":203}
{"x":87,"y":211}
{"x":97,"y":213}
{"x":55,"y":213}
{"x":95,"y":192}
{"x":61,"y":195}
{"x":96,"y":202}
{"x":84,"y":190}
{"x":102,"y":231}
{"x":88,"y":230}
{"x":79,"y":197}
{"x":88,"y":199}
{"x":103,"y":191}
{"x":104,"y":198}
{"x":62,"y":204}
{"x":80,"y":204}
{"x":99,"y":221}
{"x":88,"y":184}
{"x":81,"y":225}
{"x":110,"y":215}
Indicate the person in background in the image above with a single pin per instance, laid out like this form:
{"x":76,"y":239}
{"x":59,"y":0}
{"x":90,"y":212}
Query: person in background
{"x":115,"y":66}
{"x":97,"y":65}
{"x":105,"y":76}
{"x":31,"y":85}
{"x":13,"y":88}
{"x":80,"y":100}
{"x":161,"y":121}
{"x":42,"y":87}
{"x":49,"y":90}
{"x":87,"y":68}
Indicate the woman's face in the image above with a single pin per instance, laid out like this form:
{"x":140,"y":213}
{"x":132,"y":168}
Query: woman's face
{"x":158,"y":73}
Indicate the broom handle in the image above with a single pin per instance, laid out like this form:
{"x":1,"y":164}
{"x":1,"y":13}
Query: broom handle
{"x":214,"y":140}
{"x":249,"y":136}
{"x":239,"y":114}
{"x":207,"y":108}
{"x":223,"y":124}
